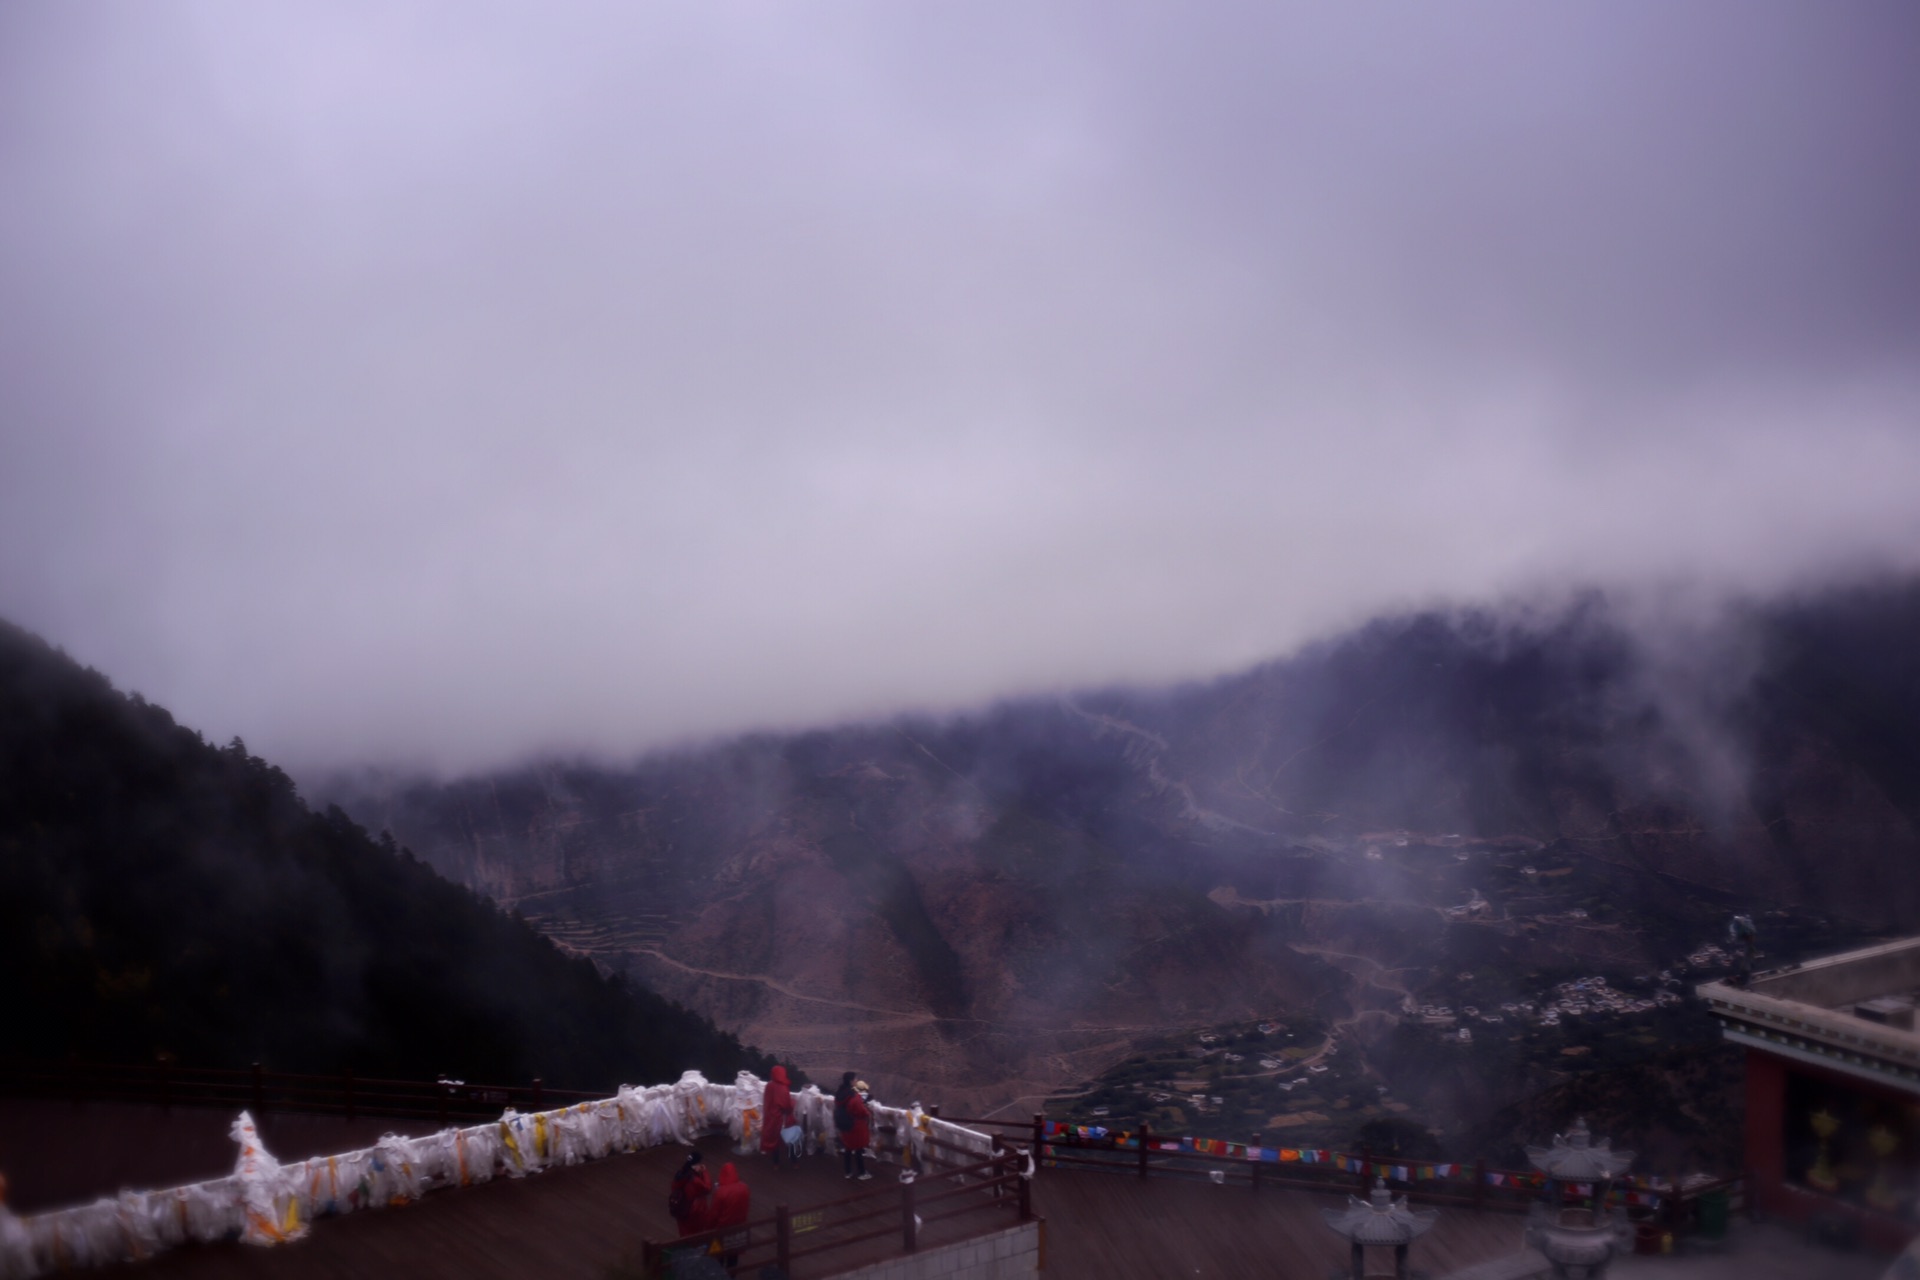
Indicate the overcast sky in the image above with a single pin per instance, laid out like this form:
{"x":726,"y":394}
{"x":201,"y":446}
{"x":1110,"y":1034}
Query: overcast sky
{"x":440,"y":382}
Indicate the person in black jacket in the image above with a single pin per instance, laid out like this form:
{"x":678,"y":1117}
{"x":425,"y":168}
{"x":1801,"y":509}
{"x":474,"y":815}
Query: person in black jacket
{"x":687,"y":1199}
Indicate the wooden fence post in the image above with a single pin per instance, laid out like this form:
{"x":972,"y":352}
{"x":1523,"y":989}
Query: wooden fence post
{"x":1146,"y":1145}
{"x":1026,"y":1198}
{"x":539,"y":1094}
{"x":909,"y":1237}
{"x":1039,"y":1135}
{"x":783,"y":1238}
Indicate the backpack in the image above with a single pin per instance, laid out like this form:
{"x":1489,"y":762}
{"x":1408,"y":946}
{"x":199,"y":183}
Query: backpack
{"x":842,"y":1118}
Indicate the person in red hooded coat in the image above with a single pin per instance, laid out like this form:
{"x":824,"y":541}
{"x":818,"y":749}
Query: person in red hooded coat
{"x":730,"y":1206}
{"x":776,"y":1113}
{"x":732,"y":1202}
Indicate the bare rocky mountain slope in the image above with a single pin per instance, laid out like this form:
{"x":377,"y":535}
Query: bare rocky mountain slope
{"x":984,"y":909}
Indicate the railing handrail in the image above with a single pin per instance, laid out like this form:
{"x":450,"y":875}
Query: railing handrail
{"x":268,"y":1202}
{"x":1141,"y":1147}
{"x":1335,"y":1158}
{"x":173,"y":1084}
{"x":868,"y":1194}
{"x":991,"y":1176}
{"x":975,"y":1123}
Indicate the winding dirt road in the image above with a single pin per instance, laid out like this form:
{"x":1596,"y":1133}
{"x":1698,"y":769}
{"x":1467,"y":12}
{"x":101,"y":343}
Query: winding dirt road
{"x":1373,"y":979}
{"x":902,"y":1017}
{"x":909,"y":1017}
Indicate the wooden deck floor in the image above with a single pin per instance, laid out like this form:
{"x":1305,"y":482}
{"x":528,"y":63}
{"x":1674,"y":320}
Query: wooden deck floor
{"x":582,"y":1223}
{"x":1102,"y":1225}
{"x":585,"y":1222}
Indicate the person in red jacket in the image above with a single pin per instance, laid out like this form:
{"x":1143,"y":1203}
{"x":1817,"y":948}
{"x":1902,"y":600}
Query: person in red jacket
{"x":730,"y":1207}
{"x":776,"y":1113}
{"x":732,"y":1201}
{"x":850,"y":1122}
{"x":687,"y":1199}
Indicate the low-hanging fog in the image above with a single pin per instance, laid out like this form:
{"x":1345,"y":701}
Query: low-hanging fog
{"x":435,"y":383}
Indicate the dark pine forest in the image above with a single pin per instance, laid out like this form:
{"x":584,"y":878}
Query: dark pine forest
{"x":162,"y":898}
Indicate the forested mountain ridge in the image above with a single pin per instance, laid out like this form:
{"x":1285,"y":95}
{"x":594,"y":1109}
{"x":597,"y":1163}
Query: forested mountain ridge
{"x":162,"y":898}
{"x":991,"y":906}
{"x":1773,"y":757}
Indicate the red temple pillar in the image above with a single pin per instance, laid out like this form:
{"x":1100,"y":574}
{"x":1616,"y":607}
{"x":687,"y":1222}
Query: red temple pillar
{"x":1766,"y":1127}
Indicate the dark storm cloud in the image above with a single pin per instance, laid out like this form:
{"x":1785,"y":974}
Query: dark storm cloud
{"x":449,"y":381}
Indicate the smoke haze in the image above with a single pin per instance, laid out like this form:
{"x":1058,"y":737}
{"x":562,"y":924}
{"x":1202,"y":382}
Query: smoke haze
{"x":440,"y":383}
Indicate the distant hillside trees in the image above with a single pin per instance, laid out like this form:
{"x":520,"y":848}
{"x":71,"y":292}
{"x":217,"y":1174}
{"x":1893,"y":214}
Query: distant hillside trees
{"x":161,"y":897}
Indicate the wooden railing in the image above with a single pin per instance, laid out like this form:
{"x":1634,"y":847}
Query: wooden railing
{"x":1470,"y":1188}
{"x":997,"y":1187}
{"x":264,"y":1092}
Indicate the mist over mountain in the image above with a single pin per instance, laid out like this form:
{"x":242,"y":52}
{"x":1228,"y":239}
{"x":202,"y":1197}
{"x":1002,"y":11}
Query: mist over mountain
{"x":802,"y":506}
{"x":165,"y":899}
{"x":487,"y":381}
{"x":989,"y":907}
